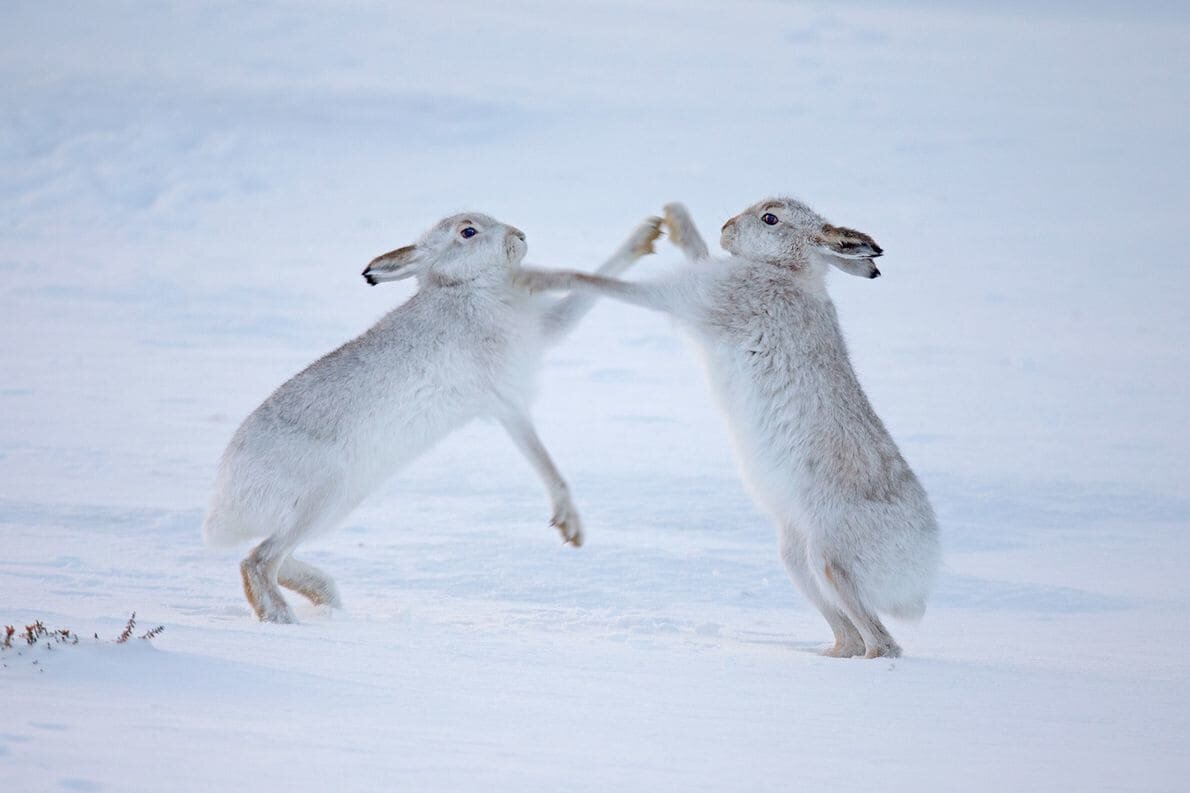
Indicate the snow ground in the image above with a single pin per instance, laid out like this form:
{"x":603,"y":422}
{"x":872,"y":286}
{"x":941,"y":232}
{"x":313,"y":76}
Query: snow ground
{"x":188,"y":193}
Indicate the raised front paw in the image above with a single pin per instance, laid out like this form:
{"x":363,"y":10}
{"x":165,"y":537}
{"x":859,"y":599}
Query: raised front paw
{"x":677,"y":218}
{"x":567,"y":522}
{"x":682,"y":233}
{"x":640,"y":242}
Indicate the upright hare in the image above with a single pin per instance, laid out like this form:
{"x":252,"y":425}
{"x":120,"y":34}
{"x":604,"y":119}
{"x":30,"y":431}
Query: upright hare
{"x":857,"y":532}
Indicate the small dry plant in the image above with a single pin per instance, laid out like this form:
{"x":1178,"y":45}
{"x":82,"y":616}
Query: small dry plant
{"x":39,"y":633}
{"x":130,"y":628}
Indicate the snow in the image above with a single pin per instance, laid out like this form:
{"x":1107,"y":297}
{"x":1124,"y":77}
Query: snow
{"x":189,"y":191}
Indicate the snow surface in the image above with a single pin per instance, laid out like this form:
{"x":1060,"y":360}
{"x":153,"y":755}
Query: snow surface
{"x":189,"y":191}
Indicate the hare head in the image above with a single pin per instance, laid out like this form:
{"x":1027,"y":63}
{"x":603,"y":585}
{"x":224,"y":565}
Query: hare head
{"x":458,"y":249}
{"x":786,"y":232}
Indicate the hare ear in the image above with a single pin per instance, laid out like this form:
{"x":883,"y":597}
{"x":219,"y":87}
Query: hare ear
{"x":861,"y":268}
{"x":846,"y":243}
{"x":393,"y":266}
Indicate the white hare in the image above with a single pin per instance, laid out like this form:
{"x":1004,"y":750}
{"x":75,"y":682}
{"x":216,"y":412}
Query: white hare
{"x":466,"y":345}
{"x":857,"y":532}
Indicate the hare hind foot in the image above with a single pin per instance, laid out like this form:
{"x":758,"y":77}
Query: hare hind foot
{"x":263,"y":595}
{"x":310,"y":582}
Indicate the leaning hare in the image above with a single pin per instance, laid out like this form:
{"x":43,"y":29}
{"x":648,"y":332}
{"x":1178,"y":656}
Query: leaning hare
{"x":466,"y":345}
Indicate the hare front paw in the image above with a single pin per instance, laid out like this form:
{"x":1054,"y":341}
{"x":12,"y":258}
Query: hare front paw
{"x":677,"y":218}
{"x":640,"y":243}
{"x":567,"y":522}
{"x":683,"y":233}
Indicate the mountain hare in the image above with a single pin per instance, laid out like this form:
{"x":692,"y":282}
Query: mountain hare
{"x":467,"y":344}
{"x":857,"y":533}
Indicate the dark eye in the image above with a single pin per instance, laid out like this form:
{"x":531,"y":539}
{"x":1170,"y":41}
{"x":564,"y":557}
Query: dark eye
{"x":468,"y":233}
{"x":769,"y":218}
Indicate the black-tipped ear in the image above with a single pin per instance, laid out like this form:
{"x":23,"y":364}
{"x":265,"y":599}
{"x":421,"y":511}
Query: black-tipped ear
{"x":861,"y":268}
{"x":392,"y":266}
{"x":847,"y":243}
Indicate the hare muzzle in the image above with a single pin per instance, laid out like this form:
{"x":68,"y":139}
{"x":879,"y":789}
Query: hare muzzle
{"x":514,"y":244}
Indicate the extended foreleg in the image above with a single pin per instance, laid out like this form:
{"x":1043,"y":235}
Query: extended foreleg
{"x":653,"y":295}
{"x":565,"y":517}
{"x":562,"y":317}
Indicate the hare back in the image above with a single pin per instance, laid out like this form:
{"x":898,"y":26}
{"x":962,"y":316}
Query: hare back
{"x":352,"y":418}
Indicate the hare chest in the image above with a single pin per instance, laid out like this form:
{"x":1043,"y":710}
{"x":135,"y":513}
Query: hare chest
{"x":760,"y":358}
{"x":455,"y":359}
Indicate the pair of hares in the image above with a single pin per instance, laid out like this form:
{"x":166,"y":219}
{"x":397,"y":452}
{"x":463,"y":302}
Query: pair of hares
{"x":857,"y":533}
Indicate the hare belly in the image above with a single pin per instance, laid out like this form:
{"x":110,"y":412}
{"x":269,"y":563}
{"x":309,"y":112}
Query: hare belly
{"x":769,"y":467}
{"x":764,"y":433}
{"x":394,"y":437}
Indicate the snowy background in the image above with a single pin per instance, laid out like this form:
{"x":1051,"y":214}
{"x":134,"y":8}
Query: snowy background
{"x":188,"y":193}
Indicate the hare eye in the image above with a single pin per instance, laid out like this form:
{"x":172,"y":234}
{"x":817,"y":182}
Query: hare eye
{"x":769,"y":218}
{"x":468,"y":233}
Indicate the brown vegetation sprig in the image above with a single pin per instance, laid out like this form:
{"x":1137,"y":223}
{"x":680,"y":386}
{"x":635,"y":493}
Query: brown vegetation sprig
{"x":38,"y":632}
{"x":126,"y":634}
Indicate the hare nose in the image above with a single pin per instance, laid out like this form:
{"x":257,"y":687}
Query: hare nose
{"x":516,"y":232}
{"x":729,"y":223}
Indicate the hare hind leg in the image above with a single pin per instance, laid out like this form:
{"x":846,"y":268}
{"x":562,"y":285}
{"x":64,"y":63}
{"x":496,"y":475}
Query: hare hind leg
{"x":269,"y":563}
{"x":308,"y":581}
{"x":878,"y":642}
{"x":848,"y":641}
{"x":259,"y":572}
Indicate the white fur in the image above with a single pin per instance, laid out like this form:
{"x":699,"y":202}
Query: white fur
{"x":466,"y":345}
{"x":856,"y":529}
